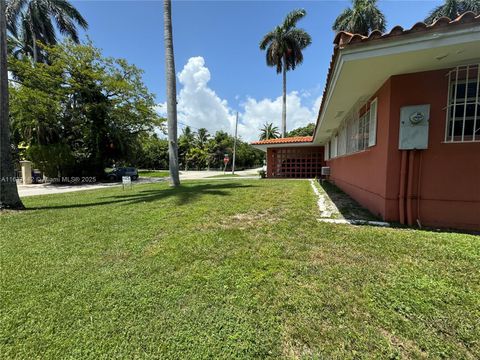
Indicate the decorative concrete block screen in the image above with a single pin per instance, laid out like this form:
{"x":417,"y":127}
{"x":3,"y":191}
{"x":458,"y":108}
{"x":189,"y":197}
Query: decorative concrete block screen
{"x":293,"y":162}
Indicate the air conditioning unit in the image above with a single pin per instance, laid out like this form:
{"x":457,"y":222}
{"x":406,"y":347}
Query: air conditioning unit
{"x":325,"y":170}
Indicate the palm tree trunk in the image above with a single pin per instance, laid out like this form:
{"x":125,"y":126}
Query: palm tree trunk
{"x":171,"y":93}
{"x":9,"y":198}
{"x":34,"y":47}
{"x":284,"y":103}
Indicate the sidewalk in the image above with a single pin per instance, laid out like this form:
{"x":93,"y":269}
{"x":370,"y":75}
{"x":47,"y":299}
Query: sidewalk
{"x":45,"y":189}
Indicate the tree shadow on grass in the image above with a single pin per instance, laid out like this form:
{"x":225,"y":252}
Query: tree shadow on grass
{"x":183,"y":195}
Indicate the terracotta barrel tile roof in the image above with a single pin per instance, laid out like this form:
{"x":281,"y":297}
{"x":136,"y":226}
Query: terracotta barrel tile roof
{"x":287,"y":140}
{"x":343,"y":38}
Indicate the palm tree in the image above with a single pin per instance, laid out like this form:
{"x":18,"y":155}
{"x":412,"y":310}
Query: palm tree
{"x":171,"y":93}
{"x":452,"y":9}
{"x":284,"y":46}
{"x":269,"y":132}
{"x":30,"y":21}
{"x":186,"y":141}
{"x":364,"y":16}
{"x":202,"y":137}
{"x":9,"y":198}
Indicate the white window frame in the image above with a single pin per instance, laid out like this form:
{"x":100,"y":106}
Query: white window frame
{"x":354,"y":135}
{"x":362,"y":133}
{"x":372,"y":138}
{"x":453,"y":102}
{"x":342,"y":141}
{"x":334,"y":143}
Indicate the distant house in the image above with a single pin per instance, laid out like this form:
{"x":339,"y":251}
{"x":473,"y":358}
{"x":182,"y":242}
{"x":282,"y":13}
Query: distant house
{"x":399,"y":124}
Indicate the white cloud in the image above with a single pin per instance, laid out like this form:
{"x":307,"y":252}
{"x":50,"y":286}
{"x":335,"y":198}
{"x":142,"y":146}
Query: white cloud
{"x":256,"y":113}
{"x":199,"y":106}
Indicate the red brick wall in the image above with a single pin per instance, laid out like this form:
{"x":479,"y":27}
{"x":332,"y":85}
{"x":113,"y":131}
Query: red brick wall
{"x":302,"y":152}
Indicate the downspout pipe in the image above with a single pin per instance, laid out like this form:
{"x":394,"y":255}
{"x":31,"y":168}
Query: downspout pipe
{"x":411,"y":159}
{"x":419,"y":180}
{"x":403,"y":178}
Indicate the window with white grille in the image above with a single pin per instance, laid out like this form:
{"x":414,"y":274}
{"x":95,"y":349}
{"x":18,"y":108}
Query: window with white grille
{"x":358,"y":131}
{"x":463,"y":106}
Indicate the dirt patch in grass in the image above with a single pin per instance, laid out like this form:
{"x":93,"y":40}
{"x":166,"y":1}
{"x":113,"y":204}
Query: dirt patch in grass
{"x":244,"y":221}
{"x":295,"y":350}
{"x":116,"y":256}
{"x":407,"y":348}
{"x":10,"y":212}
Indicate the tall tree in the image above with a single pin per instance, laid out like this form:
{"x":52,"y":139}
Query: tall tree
{"x":303,"y":131}
{"x":269,"y":132}
{"x":80,"y":111}
{"x":284,"y":46}
{"x":202,"y":137}
{"x":30,"y":21}
{"x":364,"y":16}
{"x":186,"y":141}
{"x":452,"y":9}
{"x":9,"y":198}
{"x":171,"y":93}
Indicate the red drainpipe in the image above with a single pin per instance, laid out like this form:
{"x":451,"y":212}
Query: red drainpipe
{"x":411,"y":159}
{"x":403,"y":178}
{"x":419,"y":219}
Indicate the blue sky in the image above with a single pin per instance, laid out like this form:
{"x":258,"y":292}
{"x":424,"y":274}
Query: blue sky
{"x":222,"y":38}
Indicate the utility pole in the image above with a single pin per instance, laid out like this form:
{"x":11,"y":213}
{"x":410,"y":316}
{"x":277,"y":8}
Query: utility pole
{"x":235,"y":145}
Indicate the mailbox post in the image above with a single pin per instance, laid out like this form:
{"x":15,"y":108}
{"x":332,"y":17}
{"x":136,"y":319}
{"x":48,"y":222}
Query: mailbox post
{"x":26,"y":172}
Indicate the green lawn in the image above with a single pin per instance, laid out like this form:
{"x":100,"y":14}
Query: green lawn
{"x":231,"y":269}
{"x":153,"y":173}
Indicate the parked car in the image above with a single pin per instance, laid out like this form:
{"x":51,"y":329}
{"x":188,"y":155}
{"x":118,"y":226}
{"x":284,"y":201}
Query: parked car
{"x":117,"y":173}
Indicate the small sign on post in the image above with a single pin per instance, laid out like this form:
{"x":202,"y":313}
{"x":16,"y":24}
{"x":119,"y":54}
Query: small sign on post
{"x":126,"y":181}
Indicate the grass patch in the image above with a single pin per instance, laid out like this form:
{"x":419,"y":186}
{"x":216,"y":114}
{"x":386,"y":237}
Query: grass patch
{"x":154,"y":173}
{"x":231,"y":269}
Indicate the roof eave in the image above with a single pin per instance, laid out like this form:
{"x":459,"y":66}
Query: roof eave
{"x":340,"y":55}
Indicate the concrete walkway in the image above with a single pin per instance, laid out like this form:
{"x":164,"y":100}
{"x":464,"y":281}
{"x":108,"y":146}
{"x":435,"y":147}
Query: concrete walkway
{"x":345,"y":212}
{"x":45,"y":189}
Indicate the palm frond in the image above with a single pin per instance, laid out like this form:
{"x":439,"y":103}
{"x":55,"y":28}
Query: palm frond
{"x":38,"y":19}
{"x":453,"y":9}
{"x":12,"y":13}
{"x":267,"y":39}
{"x":301,"y":37}
{"x":471,"y":5}
{"x":342,"y":21}
{"x":363,"y":17}
{"x":292,"y":18}
{"x":62,"y":8}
